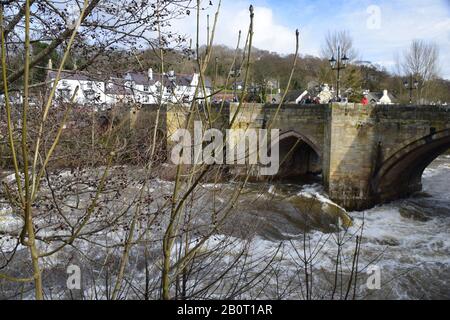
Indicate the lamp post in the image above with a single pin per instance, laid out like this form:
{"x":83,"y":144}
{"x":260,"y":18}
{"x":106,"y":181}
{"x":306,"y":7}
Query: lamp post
{"x":411,"y":86}
{"x":215,"y":71}
{"x":338,"y":64}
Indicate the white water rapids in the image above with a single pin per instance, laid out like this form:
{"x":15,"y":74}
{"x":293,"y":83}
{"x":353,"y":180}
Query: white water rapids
{"x":412,"y":251}
{"x":413,"y":255}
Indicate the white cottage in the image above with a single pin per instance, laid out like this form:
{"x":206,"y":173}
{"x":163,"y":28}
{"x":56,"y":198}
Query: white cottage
{"x":91,"y":90}
{"x":146,"y":87}
{"x":380,"y":97}
{"x":134,"y":87}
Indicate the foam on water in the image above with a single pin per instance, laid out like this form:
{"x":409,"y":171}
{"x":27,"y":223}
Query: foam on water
{"x":414,"y":256}
{"x":414,"y":253}
{"x":422,"y":247}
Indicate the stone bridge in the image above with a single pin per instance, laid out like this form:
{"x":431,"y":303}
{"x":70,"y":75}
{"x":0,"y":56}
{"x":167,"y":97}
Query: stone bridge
{"x":366,"y":154}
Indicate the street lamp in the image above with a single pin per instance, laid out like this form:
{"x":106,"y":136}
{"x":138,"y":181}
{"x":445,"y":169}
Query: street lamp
{"x":411,"y":86}
{"x":215,"y":71}
{"x":339,"y":64}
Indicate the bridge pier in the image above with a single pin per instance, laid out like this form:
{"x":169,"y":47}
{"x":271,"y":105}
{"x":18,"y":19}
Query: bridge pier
{"x":350,"y":150}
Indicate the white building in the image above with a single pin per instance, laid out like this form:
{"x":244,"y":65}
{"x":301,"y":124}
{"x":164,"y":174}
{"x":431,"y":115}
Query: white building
{"x":150,"y":87}
{"x":134,"y":87}
{"x":14,"y":98}
{"x":380,"y":97}
{"x":90,"y":90}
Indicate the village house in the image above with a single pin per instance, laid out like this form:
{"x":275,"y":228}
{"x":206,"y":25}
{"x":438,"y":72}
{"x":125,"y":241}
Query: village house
{"x":91,"y":90}
{"x":133,"y":87}
{"x":14,"y":98}
{"x":384,"y":97}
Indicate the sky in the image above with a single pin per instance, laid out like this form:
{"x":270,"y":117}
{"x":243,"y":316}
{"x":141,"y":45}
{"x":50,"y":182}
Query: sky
{"x":381,"y":29}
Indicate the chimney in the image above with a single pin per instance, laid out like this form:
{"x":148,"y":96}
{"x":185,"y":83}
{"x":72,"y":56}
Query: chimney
{"x":49,"y":67}
{"x":195,"y":79}
{"x":385,"y":98}
{"x":150,"y":74}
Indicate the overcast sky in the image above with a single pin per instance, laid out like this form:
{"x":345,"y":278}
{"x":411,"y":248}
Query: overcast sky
{"x":380,"y":28}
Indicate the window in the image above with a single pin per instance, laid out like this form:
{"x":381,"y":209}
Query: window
{"x":130,"y":84}
{"x":146,"y":89}
{"x":64,"y":94}
{"x":89,"y":94}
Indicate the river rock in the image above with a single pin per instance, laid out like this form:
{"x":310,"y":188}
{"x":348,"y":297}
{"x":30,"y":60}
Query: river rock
{"x":391,"y":242}
{"x":421,"y":194}
{"x":414,"y":212}
{"x":321,"y":214}
{"x":424,"y":209}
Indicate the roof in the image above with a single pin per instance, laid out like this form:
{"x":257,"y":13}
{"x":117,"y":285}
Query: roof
{"x":139,"y":78}
{"x":184,"y":80}
{"x":68,"y":75}
{"x":293,"y":95}
{"x":376,"y":96}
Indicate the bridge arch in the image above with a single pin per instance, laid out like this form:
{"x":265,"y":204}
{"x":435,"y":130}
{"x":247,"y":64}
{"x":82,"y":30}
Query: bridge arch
{"x":299,"y":156}
{"x":401,"y":174}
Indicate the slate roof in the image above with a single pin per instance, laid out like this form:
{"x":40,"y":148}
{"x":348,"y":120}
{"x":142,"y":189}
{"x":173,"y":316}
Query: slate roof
{"x":293,"y":95}
{"x":139,"y":78}
{"x":179,"y":79}
{"x":80,"y":76}
{"x":376,"y":96}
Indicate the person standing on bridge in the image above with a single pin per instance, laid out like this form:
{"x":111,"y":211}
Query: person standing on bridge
{"x":364,"y":101}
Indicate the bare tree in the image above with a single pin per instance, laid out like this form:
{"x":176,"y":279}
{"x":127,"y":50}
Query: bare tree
{"x":420,"y":62}
{"x":336,"y":39}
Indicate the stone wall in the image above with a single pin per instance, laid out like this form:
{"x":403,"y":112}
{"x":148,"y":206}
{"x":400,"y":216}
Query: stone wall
{"x":361,"y":141}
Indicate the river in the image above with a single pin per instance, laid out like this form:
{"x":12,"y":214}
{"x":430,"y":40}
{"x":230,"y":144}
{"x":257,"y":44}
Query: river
{"x":408,"y":240}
